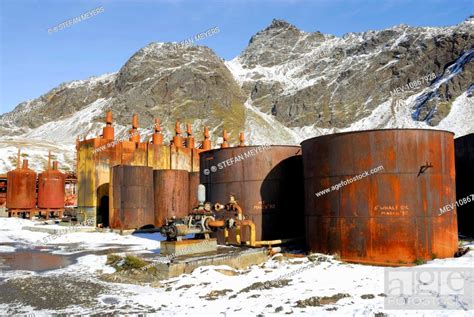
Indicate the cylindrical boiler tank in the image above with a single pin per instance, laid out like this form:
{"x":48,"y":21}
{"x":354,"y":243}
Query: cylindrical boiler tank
{"x":267,"y":182}
{"x":51,"y":188}
{"x":464,"y":149}
{"x":131,"y":188}
{"x":388,"y":215}
{"x":21,"y":190}
{"x":171,"y":194}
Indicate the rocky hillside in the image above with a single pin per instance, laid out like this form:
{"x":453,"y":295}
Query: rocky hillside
{"x":285,"y":86}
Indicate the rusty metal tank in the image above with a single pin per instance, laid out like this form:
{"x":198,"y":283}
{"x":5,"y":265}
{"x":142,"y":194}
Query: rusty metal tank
{"x":171,"y":192}
{"x":267,"y":182}
{"x":51,"y":188}
{"x":131,"y":191}
{"x":391,"y":216}
{"x":464,"y":151}
{"x":21,"y":190}
{"x":193,"y":185}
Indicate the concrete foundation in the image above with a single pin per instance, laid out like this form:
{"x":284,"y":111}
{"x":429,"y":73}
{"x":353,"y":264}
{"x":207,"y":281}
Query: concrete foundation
{"x":185,"y":247}
{"x":238,"y":258}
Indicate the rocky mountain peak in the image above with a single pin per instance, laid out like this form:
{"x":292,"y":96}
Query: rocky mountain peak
{"x":287,"y":85}
{"x":280,"y":24}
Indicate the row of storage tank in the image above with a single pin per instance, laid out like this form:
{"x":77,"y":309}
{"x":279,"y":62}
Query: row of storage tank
{"x":141,"y":196}
{"x":389,"y":217}
{"x":97,"y":155}
{"x":393,"y":216}
{"x":23,"y":194}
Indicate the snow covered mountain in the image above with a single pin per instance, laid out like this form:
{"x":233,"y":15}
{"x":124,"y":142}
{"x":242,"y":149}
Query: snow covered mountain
{"x":287,"y":85}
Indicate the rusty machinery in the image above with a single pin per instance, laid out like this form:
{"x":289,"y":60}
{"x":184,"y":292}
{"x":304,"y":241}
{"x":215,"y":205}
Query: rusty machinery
{"x":208,"y":218}
{"x":97,"y":155}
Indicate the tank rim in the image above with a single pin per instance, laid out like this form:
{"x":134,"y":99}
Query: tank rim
{"x":375,"y":130}
{"x":251,"y":146}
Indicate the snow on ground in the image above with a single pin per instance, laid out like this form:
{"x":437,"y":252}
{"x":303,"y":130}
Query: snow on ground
{"x":221,"y":290}
{"x":10,"y":231}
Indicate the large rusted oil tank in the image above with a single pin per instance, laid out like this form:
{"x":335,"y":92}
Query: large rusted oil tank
{"x":21,"y":190}
{"x":464,"y":149}
{"x":51,"y":188}
{"x":131,"y":189}
{"x":171,"y":194}
{"x":193,"y":185}
{"x":267,"y":182}
{"x":390,"y":217}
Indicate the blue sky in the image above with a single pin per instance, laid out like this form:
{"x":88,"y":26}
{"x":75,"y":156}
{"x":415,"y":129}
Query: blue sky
{"x":32,"y":61}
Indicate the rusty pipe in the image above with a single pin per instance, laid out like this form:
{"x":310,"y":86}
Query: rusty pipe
{"x":225,"y":137}
{"x":249,"y":223}
{"x":108,"y":117}
{"x":206,"y":143}
{"x":135,"y":121}
{"x":189,"y":142}
{"x":241,"y":139}
{"x":49,"y":160}
{"x":177,"y":141}
{"x":216,"y":223}
{"x":108,"y":130}
{"x":18,"y":158}
{"x":218,"y":206}
{"x":134,"y":133}
{"x":157,"y":137}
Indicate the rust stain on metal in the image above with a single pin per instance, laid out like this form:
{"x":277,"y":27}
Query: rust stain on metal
{"x":193,"y":185}
{"x":157,"y":137}
{"x":268,"y":185}
{"x":225,"y":138}
{"x":206,"y":143}
{"x":389,"y":217}
{"x":177,"y":140}
{"x":131,"y":189}
{"x":171,"y":193}
{"x":21,"y":189}
{"x":51,"y":188}
{"x":96,"y":156}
